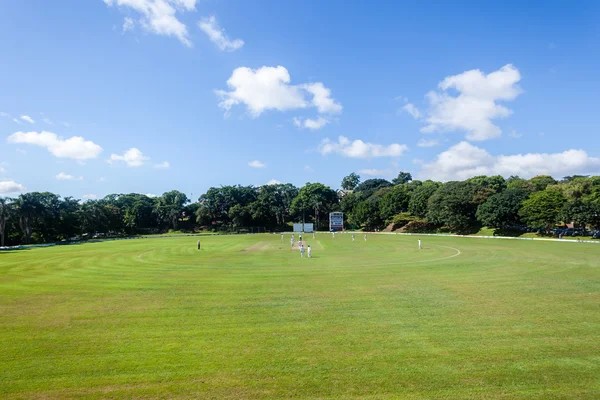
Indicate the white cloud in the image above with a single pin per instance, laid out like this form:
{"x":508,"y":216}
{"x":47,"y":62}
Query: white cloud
{"x":7,"y":187}
{"x":217,"y":35}
{"x":3,"y":114}
{"x":90,"y":196}
{"x":322,"y":99}
{"x":465,"y":160}
{"x":412,"y":110}
{"x":312,"y":124}
{"x":75,"y":147}
{"x":17,"y":121}
{"x":428,"y":143}
{"x":66,"y":177}
{"x":163,"y":165}
{"x":257,"y":164}
{"x":132,"y":157}
{"x":159,"y":16}
{"x":273,"y":182}
{"x":268,"y":88}
{"x":308,"y":168}
{"x":150,"y":195}
{"x":475,"y":106}
{"x":375,"y":172}
{"x":128,"y":24}
{"x":360,"y":149}
{"x":27,"y":118}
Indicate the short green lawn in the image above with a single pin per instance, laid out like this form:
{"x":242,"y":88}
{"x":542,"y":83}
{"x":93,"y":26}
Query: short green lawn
{"x":246,"y":317}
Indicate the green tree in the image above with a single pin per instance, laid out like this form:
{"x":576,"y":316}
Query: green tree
{"x":581,"y":213}
{"x":350,"y":182}
{"x":6,"y":211}
{"x":543,"y":208}
{"x":314,"y":199}
{"x":170,"y":205}
{"x":419,"y":198}
{"x":403,"y":177}
{"x":370,"y":186}
{"x":367,"y":215}
{"x":394,"y":201}
{"x":501,"y":210}
{"x":453,"y":206}
{"x":541,"y":182}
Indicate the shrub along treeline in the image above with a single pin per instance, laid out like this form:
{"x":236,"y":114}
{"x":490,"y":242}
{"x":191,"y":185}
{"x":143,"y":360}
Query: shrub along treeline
{"x":507,"y":205}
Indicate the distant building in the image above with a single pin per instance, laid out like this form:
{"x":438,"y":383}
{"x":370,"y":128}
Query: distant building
{"x":342,"y":192}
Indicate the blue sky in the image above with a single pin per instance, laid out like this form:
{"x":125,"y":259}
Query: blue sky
{"x":111,"y":96}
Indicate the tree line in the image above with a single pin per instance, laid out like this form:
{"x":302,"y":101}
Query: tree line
{"x":507,"y":205}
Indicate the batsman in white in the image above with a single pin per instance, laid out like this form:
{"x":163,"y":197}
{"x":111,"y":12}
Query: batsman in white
{"x":308,"y":250}
{"x":420,"y":246}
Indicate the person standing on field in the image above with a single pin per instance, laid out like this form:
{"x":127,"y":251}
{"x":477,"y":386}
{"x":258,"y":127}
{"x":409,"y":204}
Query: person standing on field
{"x":292,"y":242}
{"x":198,"y":245}
{"x":420,"y":246}
{"x":308,"y":249}
{"x":365,"y":237}
{"x":353,"y":238}
{"x":282,"y":237}
{"x":301,"y":250}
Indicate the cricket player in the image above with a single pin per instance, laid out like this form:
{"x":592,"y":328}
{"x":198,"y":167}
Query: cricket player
{"x":308,"y":249}
{"x":365,"y":237}
{"x":292,"y":242}
{"x":198,"y":245}
{"x":420,"y":246}
{"x":300,"y":236}
{"x":282,"y":237}
{"x":301,"y":251}
{"x":353,"y":238}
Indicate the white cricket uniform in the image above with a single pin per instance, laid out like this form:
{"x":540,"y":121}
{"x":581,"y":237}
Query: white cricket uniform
{"x":365,"y":238}
{"x":302,"y":251}
{"x":353,"y":238}
{"x":308,"y":251}
{"x":420,"y":247}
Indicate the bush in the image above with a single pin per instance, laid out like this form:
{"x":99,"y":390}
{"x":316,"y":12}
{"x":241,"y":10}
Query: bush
{"x":420,"y":227}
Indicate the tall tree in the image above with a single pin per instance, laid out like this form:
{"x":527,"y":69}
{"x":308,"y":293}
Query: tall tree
{"x":170,"y":206}
{"x":543,"y":208}
{"x":501,"y":210}
{"x":314,"y":199}
{"x":370,"y":186}
{"x":394,"y":201}
{"x":350,"y":182}
{"x":403,"y":177}
{"x":419,"y":198}
{"x":453,"y":206}
{"x":6,"y":210}
{"x":541,"y":182}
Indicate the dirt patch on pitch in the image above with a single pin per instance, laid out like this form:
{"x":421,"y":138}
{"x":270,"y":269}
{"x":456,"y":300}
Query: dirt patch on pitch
{"x":260,"y":246}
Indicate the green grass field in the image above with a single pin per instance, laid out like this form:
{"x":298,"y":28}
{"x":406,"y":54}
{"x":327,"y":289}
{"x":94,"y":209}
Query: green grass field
{"x":246,"y":317}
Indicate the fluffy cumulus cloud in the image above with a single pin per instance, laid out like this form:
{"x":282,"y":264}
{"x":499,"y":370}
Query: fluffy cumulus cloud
{"x":75,"y":147}
{"x":163,"y":165}
{"x":269,"y":88}
{"x":375,"y":172}
{"x":465,"y":160}
{"x":360,"y":149}
{"x":475,"y":104}
{"x":8,"y":187}
{"x":66,"y":177}
{"x":27,"y":118}
{"x":159,"y":16}
{"x":132,"y":158}
{"x":217,"y":35}
{"x":257,"y":164}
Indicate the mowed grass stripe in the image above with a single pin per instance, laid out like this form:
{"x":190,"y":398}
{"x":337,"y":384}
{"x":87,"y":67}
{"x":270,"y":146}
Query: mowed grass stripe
{"x":374,"y":319}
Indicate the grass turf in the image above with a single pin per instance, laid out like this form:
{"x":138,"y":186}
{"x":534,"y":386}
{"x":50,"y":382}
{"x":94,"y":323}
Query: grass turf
{"x":246,"y":317}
